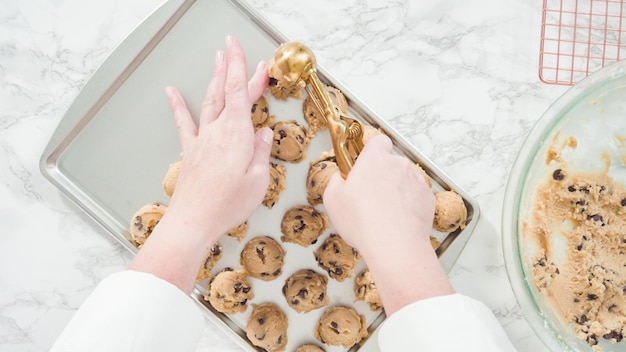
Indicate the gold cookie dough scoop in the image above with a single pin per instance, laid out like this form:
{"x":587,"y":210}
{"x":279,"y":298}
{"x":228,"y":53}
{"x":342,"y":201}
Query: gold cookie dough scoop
{"x":297,"y":63}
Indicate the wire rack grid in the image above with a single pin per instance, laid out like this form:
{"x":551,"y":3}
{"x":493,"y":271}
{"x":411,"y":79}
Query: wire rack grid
{"x":579,"y":37}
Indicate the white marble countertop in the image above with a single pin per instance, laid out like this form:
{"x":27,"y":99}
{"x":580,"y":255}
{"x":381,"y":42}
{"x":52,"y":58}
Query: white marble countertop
{"x":461,"y":84}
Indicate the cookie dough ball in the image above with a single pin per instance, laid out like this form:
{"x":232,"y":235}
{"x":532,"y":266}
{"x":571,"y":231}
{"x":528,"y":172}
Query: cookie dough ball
{"x":260,"y":114}
{"x":310,"y":348}
{"x":267,"y":327}
{"x":314,"y":117}
{"x":229,"y":292}
{"x":263,"y":258}
{"x":341,"y":326}
{"x":434,"y":242}
{"x":303,"y":224}
{"x":277,"y":184}
{"x":305,"y":290}
{"x":291,"y":141}
{"x":318,"y":176}
{"x":144,"y":221}
{"x":337,"y":257}
{"x":238,"y":232}
{"x":281,"y":85}
{"x":422,"y":172}
{"x":365,"y":290}
{"x":215,"y":254}
{"x":171,"y":177}
{"x":450,"y":211}
{"x":369,"y":132}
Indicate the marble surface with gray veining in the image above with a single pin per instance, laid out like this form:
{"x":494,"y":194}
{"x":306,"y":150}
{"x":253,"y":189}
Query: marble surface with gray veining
{"x":459,"y":80}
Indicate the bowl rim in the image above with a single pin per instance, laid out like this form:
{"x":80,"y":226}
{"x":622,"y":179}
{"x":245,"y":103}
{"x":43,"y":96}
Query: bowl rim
{"x":512,"y":197}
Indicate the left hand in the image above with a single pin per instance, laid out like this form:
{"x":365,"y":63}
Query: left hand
{"x":224,"y":174}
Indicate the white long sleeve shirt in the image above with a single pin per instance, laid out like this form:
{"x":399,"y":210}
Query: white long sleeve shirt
{"x":129,"y":309}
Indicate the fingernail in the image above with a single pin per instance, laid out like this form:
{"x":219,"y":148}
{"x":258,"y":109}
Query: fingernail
{"x":229,"y":41}
{"x":219,"y":58}
{"x":261,"y":66}
{"x":267,"y":135}
{"x":169,"y":92}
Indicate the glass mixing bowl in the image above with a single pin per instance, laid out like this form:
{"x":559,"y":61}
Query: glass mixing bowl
{"x":593,"y":112}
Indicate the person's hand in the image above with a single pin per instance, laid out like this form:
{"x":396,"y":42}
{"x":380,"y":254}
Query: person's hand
{"x":382,"y":203}
{"x":224,"y":172}
{"x":385,"y":209}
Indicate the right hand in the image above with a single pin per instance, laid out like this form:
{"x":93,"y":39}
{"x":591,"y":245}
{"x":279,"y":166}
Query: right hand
{"x":385,"y":209}
{"x":382,"y":203}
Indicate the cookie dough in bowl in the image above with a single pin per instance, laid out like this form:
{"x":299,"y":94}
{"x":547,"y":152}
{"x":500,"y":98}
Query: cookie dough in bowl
{"x":563,"y":220}
{"x":303,"y":224}
{"x":267,"y":327}
{"x":263,"y":258}
{"x":341,"y":326}
{"x":305,"y":290}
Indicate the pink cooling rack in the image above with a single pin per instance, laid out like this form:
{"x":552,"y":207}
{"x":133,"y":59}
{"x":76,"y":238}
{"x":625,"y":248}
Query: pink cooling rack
{"x":579,"y":37}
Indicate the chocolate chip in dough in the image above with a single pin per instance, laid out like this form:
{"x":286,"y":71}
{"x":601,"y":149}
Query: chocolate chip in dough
{"x":558,"y":175}
{"x":613,"y":335}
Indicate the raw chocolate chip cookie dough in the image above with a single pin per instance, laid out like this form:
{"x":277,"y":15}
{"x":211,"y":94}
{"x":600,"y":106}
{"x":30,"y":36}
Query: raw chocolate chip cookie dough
{"x":281,"y":85}
{"x":341,"y":326}
{"x":305,"y":290}
{"x":318,"y":176}
{"x":260,"y":114}
{"x":365,"y":290}
{"x":267,"y":327}
{"x":277,"y":184}
{"x":215,"y":254}
{"x":144,"y":221}
{"x":312,"y":115}
{"x":369,"y":132}
{"x":303,"y":224}
{"x":229,"y":292}
{"x":584,"y":277}
{"x":263,"y":258}
{"x":450,"y":211}
{"x":310,"y":348}
{"x":337,"y":257}
{"x":171,"y":177}
{"x":291,"y":141}
{"x":238,"y":232}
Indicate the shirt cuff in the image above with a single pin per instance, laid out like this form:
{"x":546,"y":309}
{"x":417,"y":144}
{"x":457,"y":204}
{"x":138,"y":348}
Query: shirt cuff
{"x":444,"y":323}
{"x":134,"y":311}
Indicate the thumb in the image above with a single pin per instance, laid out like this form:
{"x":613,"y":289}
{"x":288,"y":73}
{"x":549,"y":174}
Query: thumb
{"x":380,"y":143}
{"x":332,"y":189}
{"x":262,"y":146}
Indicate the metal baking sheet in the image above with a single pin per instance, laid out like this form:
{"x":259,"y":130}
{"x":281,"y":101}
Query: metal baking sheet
{"x":111,"y":150}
